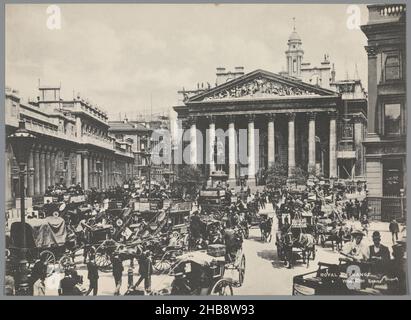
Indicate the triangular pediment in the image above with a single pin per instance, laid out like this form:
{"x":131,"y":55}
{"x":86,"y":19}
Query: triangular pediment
{"x":260,"y":84}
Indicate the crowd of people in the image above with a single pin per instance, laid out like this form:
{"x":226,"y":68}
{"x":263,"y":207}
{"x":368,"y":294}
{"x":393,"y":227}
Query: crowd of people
{"x":230,"y":230}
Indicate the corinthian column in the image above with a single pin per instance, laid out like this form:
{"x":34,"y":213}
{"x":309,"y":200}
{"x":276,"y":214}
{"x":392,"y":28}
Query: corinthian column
{"x":231,"y":151}
{"x":333,"y":145}
{"x":271,"y":139}
{"x":78,"y":167}
{"x":211,"y":143}
{"x":30,"y":177}
{"x":291,"y":143}
{"x":85,"y":171}
{"x":42,"y":172}
{"x":251,"y":151}
{"x":193,"y":141}
{"x":37,"y":170}
{"x":48,"y":168}
{"x":311,"y":141}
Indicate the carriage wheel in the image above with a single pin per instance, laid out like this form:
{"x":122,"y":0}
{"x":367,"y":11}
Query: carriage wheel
{"x":64,"y":261}
{"x":241,"y":271}
{"x":50,"y":261}
{"x":162,"y":265}
{"x":222,"y":287}
{"x":102,"y":258}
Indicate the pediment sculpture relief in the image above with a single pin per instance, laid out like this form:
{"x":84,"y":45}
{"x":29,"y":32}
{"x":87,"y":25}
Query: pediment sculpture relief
{"x":259,"y":87}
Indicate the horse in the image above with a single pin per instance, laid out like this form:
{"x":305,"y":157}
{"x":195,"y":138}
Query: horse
{"x":265,"y":228}
{"x":306,"y":242}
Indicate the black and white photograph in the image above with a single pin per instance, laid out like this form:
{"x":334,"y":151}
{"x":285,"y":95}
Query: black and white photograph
{"x":205,"y":149}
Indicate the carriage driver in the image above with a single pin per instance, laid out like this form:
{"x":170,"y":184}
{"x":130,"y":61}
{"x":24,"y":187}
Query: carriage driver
{"x":357,"y":249}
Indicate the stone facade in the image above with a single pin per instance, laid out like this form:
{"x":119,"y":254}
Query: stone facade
{"x":73,"y":145}
{"x":317,"y":126}
{"x":385,"y":144}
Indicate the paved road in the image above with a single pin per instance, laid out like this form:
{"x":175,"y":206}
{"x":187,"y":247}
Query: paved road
{"x":265,"y":274}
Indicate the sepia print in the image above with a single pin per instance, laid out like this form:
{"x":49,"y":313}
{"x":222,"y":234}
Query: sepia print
{"x":205,"y":149}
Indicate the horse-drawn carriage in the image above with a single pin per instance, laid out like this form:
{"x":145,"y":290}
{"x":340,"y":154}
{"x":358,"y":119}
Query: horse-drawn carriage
{"x":332,"y":231}
{"x":296,"y":238}
{"x":214,"y":201}
{"x":161,"y":231}
{"x":204,"y":273}
{"x":47,"y":239}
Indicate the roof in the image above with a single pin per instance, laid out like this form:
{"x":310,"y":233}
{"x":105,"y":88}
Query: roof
{"x":126,"y":126}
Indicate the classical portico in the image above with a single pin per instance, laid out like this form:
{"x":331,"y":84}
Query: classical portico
{"x":271,"y":118}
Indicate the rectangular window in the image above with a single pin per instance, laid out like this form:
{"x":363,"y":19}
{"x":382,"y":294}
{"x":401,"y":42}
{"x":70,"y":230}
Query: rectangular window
{"x":392,"y":177}
{"x":392,"y":119}
{"x":294,"y":66}
{"x":347,"y":131}
{"x":392,"y":67}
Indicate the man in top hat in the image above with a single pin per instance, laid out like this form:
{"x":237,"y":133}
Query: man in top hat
{"x":356,"y":249}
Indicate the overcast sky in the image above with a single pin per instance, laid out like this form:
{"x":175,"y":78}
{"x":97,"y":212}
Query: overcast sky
{"x":121,"y":55}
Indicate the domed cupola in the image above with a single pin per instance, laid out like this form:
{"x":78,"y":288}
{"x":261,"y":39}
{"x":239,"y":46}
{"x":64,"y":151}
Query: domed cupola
{"x":294,"y":54}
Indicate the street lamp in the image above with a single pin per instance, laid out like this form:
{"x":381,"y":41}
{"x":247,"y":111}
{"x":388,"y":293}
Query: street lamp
{"x":21,"y":142}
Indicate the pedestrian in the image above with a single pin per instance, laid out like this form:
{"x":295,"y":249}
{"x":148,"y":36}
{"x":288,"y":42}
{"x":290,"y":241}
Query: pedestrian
{"x":356,"y":250}
{"x":378,"y":252}
{"x":396,"y":272}
{"x":9,"y":283}
{"x":69,"y":284}
{"x":38,"y":277}
{"x":145,"y":270}
{"x":92,"y":275}
{"x":394,"y":229}
{"x":117,"y":273}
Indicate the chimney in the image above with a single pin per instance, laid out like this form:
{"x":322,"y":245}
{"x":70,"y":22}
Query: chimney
{"x":221,"y":76}
{"x":333,"y":74}
{"x":238,"y":71}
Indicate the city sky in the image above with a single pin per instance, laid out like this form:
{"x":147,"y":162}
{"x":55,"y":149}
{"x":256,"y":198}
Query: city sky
{"x":128,"y":57}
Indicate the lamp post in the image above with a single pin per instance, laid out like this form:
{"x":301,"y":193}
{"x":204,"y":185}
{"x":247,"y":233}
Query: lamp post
{"x":21,"y":142}
{"x":147,"y":155}
{"x":99,"y":171}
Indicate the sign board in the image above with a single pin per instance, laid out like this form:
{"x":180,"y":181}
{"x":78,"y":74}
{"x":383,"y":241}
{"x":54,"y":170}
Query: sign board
{"x":127,"y":233}
{"x":66,"y":197}
{"x":299,"y":223}
{"x":153,"y":206}
{"x":233,"y":199}
{"x":77,"y":199}
{"x":49,"y":199}
{"x":144,"y":206}
{"x":115,"y":205}
{"x":136,"y":206}
{"x":125,"y":186}
{"x":210,"y":193}
{"x":166,"y":203}
{"x":180,"y":206}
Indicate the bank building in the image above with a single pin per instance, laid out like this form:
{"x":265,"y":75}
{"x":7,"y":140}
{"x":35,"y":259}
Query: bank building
{"x":304,"y":117}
